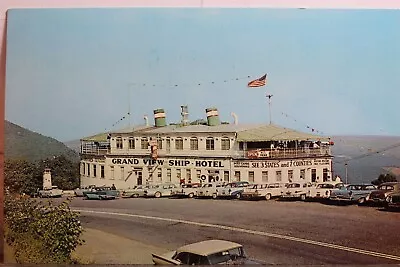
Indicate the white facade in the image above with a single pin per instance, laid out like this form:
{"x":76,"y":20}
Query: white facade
{"x":198,"y":154}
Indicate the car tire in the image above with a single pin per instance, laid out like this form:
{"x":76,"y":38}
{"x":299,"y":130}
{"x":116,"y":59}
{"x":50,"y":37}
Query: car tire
{"x":238,"y":196}
{"x":191,"y":195}
{"x":267,"y":196}
{"x":303,"y":197}
{"x":214,"y":196}
{"x":157,"y":194}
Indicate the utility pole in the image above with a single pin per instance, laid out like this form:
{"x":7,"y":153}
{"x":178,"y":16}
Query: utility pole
{"x":345,"y":165}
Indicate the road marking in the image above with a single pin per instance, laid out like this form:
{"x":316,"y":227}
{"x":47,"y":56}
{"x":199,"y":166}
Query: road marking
{"x":242,"y":230}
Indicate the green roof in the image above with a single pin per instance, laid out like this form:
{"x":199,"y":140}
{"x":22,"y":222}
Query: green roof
{"x":101,"y":137}
{"x":275,"y":133}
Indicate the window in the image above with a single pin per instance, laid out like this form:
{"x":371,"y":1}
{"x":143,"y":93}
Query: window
{"x":226,"y":176}
{"x":189,"y":175}
{"x":119,"y":142}
{"x":313,"y":175}
{"x":159,"y":143}
{"x":150,"y":172}
{"x":144,"y":143}
{"x":210,"y":143}
{"x":131,"y":143}
{"x":102,"y":171}
{"x":198,"y":175}
{"x":302,"y":174}
{"x":169,"y":175}
{"x":179,"y":174}
{"x":168,"y":144}
{"x":225,"y":143}
{"x":290,"y":175}
{"x":112,"y":172}
{"x":122,"y":173}
{"x":94,"y":170}
{"x":88,"y":169}
{"x":237,"y":176}
{"x":251,"y":176}
{"x":279,"y":176}
{"x":325,"y":175}
{"x":194,"y":143}
{"x":264,"y":176}
{"x":179,"y":143}
{"x":159,"y":174}
{"x":83,"y":169}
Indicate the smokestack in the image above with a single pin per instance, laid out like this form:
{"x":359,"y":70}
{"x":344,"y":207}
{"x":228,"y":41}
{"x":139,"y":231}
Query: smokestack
{"x":146,"y":120}
{"x":159,"y":118}
{"x":212,"y":117}
{"x":185,"y":115}
{"x":235,"y":118}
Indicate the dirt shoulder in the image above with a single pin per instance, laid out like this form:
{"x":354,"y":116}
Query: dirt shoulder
{"x":104,"y":248}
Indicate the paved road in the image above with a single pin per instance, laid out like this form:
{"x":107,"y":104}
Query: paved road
{"x":272,"y":231}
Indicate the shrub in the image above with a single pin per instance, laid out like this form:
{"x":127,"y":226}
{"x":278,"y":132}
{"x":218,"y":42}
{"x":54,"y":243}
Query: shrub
{"x":384,"y":178}
{"x":41,"y":232}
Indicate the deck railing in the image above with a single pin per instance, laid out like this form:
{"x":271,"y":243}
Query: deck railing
{"x":283,"y":153}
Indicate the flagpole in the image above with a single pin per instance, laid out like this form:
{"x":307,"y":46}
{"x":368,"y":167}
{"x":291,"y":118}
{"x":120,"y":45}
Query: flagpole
{"x":269,"y":106}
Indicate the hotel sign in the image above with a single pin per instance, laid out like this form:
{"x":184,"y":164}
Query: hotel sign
{"x":170,"y":163}
{"x":280,"y":164}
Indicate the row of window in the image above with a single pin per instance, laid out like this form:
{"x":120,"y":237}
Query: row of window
{"x":186,"y":174}
{"x":179,"y":144}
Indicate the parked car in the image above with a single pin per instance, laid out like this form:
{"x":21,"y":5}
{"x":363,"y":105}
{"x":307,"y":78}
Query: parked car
{"x":232,"y":190}
{"x":209,"y":190}
{"x":137,"y":191}
{"x":210,"y":252}
{"x":384,"y":190}
{"x":160,"y":190}
{"x":102,"y":190}
{"x":101,"y":195}
{"x":253,"y":191}
{"x":393,"y":201}
{"x":54,"y":192}
{"x":353,"y":193}
{"x":297,"y":190}
{"x":324,"y":190}
{"x":79,"y":191}
{"x":186,"y":190}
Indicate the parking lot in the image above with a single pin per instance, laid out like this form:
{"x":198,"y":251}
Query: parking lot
{"x":278,"y":232}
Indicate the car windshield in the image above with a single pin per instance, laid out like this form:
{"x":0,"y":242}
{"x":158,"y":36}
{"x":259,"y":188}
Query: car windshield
{"x":293,"y":185}
{"x":325,"y":186}
{"x":225,"y":256}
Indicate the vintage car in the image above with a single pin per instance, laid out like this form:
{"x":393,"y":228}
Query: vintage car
{"x":79,"y":191}
{"x":232,"y":190}
{"x":324,"y":190}
{"x":297,"y":190}
{"x":137,"y":191}
{"x":353,"y":193}
{"x":209,"y":190}
{"x":393,"y":201}
{"x":160,"y":190}
{"x":209,"y":252}
{"x":384,"y":190}
{"x":254,"y":191}
{"x":54,"y":192}
{"x":102,"y":193}
{"x":186,"y":190}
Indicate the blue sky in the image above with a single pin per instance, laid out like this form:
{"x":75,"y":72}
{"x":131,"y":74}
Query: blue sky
{"x":70,"y":71}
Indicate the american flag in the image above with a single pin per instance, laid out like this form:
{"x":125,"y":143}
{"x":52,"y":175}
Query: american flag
{"x":258,"y":82}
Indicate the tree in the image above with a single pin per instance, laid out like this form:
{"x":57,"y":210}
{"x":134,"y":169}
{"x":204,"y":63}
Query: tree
{"x":384,"y":178}
{"x":20,"y":176}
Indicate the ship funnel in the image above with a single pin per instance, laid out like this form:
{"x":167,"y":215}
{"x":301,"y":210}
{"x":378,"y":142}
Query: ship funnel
{"x":235,"y":118}
{"x":185,"y":115}
{"x":146,"y":120}
{"x":212,"y":116}
{"x":159,"y":118}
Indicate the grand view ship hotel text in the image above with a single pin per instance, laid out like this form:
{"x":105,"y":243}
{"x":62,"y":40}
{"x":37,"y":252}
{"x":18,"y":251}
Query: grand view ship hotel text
{"x":205,"y":152}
